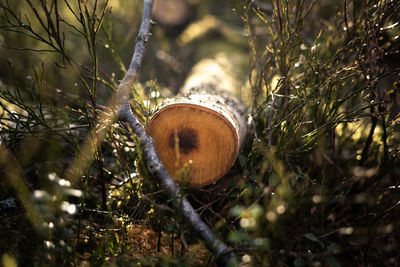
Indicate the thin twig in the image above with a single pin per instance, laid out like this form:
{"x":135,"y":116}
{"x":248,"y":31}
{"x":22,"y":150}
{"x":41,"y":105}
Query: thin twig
{"x":153,"y":163}
{"x":267,"y":8}
{"x":158,"y":206}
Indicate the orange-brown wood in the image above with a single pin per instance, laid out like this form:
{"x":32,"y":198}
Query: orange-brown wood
{"x":207,"y":120}
{"x":206,"y":139}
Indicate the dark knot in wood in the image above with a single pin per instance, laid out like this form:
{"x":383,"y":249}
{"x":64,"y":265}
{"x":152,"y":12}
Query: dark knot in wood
{"x":187,"y":139}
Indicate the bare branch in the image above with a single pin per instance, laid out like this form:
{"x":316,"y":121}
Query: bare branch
{"x":152,"y":161}
{"x":133,"y":71}
{"x":267,"y":8}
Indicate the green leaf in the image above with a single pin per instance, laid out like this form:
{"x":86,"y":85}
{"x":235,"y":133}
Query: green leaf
{"x":237,"y":236}
{"x":311,"y":237}
{"x":273,"y":180}
{"x":236,"y":211}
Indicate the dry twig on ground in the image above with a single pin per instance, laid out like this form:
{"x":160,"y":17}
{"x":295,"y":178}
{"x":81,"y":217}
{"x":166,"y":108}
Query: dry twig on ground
{"x":152,"y":161}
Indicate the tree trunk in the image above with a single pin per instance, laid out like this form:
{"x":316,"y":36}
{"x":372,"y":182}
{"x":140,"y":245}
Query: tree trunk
{"x":203,"y":128}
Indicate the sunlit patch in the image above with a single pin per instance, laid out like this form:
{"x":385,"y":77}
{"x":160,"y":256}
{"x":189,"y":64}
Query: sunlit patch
{"x":271,"y":216}
{"x":247,"y":222}
{"x":198,"y":29}
{"x":316,"y":199}
{"x":274,"y":82}
{"x":246,"y":258}
{"x":314,"y":47}
{"x":154,"y":94}
{"x":68,"y":207}
{"x":358,"y":130}
{"x":144,"y":242}
{"x":8,"y":260}
{"x":52,"y":176}
{"x":63,"y":182}
{"x":49,"y":244}
{"x":147,"y":103}
{"x":73,"y":192}
{"x":388,"y":228}
{"x":281,"y":209}
{"x":40,"y":195}
{"x":346,"y":230}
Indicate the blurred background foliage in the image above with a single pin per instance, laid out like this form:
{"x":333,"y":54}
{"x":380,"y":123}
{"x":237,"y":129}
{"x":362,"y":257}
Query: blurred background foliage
{"x":315,"y":184}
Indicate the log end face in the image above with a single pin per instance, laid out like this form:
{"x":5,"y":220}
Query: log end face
{"x":192,"y":134}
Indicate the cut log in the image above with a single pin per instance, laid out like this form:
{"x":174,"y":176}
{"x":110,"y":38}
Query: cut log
{"x":205,"y":126}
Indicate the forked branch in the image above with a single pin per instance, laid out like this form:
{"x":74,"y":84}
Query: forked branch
{"x":152,"y":161}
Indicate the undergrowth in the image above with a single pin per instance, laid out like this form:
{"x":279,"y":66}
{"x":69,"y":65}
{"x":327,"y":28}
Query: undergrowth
{"x":315,"y":184}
